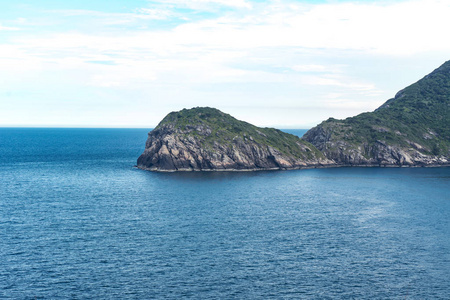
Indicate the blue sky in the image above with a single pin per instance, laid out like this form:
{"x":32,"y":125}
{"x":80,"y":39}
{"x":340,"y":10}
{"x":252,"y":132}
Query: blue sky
{"x":282,"y":63}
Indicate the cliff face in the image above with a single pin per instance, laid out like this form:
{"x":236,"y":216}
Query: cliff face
{"x":371,"y":152}
{"x":412,"y":129}
{"x":209,"y":140}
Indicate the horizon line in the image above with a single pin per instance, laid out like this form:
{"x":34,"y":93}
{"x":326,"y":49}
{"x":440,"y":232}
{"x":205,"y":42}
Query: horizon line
{"x":116,"y":127}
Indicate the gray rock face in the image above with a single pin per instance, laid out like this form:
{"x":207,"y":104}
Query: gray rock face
{"x":378,"y":153}
{"x":171,"y":149}
{"x":339,"y":145}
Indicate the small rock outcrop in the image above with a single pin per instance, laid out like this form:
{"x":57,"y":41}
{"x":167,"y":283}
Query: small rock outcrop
{"x":206,"y":139}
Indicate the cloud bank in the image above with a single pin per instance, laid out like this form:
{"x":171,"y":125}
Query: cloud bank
{"x":241,"y":56}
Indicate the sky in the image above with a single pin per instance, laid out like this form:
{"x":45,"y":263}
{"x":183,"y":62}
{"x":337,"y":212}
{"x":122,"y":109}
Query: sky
{"x":277,"y":63}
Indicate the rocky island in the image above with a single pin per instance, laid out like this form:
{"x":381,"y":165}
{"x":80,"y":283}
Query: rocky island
{"x":206,"y":139}
{"x":411,"y":129}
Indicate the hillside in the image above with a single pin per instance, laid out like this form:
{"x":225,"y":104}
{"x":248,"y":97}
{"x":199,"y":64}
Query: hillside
{"x":411,"y":129}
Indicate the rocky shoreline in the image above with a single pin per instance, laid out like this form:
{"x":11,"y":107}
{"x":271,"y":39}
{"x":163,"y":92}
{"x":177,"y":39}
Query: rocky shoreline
{"x":291,"y":169}
{"x":234,"y":170}
{"x":172,"y":146}
{"x":410,"y":130}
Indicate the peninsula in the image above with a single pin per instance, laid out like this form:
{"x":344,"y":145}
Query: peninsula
{"x":411,"y":129}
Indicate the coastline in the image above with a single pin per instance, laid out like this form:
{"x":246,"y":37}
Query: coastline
{"x":295,"y":168}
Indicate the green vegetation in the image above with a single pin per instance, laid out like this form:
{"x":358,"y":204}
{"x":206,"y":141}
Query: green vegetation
{"x":418,"y":114}
{"x":211,"y":126}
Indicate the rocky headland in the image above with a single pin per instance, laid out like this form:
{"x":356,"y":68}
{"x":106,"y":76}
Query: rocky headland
{"x":206,"y":139}
{"x":412,"y":129}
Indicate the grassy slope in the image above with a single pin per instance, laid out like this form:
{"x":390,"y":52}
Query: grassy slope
{"x":224,"y":128}
{"x":413,"y":115}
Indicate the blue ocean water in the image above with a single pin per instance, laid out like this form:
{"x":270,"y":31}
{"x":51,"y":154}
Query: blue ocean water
{"x":78,"y":221}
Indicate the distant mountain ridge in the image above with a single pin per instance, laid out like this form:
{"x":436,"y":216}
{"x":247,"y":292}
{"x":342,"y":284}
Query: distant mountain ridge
{"x":411,"y":129}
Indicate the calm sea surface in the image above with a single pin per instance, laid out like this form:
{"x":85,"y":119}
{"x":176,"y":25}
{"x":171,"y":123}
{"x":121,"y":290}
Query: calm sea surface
{"x":78,"y":221}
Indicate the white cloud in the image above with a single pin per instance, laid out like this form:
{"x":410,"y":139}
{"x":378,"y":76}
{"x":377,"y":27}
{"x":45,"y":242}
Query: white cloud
{"x":310,"y":68}
{"x":249,"y":55}
{"x":206,"y":4}
{"x":339,"y":82}
{"x":157,"y":13}
{"x":6,"y":28}
{"x":99,"y":19}
{"x":401,"y":28}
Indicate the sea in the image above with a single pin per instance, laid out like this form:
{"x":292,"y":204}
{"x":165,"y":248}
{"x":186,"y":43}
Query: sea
{"x":78,"y":220}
